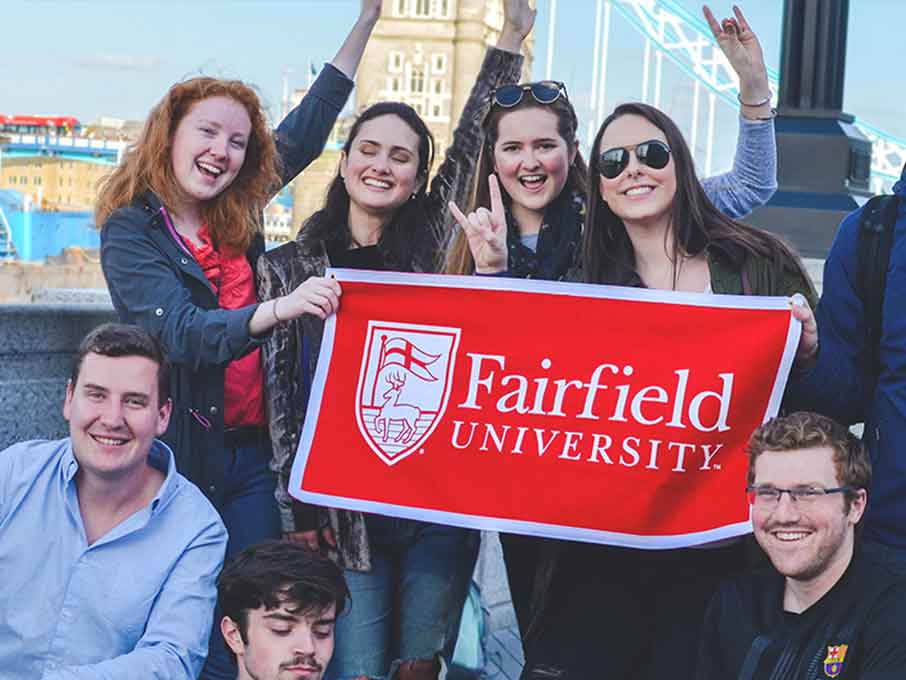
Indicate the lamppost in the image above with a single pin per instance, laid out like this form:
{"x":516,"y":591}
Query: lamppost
{"x":824,"y":161}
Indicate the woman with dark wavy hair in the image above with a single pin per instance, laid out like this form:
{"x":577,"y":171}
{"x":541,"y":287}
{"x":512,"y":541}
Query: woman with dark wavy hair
{"x":181,"y":231}
{"x":408,"y":579}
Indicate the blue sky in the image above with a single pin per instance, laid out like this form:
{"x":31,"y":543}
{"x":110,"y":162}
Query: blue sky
{"x":116,"y":57}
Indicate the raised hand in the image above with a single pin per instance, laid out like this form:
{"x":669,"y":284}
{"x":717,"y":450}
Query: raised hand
{"x":318,"y":295}
{"x":740,"y":45}
{"x":519,"y":16}
{"x":486,"y":232}
{"x":371,"y":10}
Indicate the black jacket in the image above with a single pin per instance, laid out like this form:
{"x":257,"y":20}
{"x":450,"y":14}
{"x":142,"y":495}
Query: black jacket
{"x":154,"y":283}
{"x":748,"y":636}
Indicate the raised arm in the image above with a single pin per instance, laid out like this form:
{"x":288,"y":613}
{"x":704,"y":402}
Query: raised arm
{"x":301,"y":136}
{"x":349,"y":56}
{"x":753,"y":179}
{"x":501,"y":65}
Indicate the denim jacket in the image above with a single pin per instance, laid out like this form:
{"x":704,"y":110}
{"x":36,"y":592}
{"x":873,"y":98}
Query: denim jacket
{"x":155,"y":283}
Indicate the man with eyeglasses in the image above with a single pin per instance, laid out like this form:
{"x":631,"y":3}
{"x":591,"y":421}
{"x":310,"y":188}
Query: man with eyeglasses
{"x":825,"y":609}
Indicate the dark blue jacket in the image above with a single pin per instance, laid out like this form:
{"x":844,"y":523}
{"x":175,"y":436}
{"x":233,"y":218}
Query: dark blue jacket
{"x":154,"y":283}
{"x":838,"y":385}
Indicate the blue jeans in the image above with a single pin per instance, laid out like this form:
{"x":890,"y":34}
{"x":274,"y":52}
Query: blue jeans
{"x":409,"y":605}
{"x":250,"y":514}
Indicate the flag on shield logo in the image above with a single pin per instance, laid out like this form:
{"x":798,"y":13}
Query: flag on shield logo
{"x":402,"y":352}
{"x":404,"y":385}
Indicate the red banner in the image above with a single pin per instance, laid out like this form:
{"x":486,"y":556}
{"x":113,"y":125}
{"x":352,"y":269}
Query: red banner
{"x":593,"y":413}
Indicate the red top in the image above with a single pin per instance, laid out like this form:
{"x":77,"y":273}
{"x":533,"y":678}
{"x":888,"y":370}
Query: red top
{"x":231,"y":278}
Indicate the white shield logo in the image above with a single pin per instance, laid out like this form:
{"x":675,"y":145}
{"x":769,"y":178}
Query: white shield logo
{"x":404,"y":385}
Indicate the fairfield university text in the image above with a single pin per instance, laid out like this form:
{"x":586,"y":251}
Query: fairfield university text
{"x":602,"y":398}
{"x":444,"y":398}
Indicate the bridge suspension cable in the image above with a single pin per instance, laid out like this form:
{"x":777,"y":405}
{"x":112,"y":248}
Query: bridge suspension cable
{"x":672,"y":31}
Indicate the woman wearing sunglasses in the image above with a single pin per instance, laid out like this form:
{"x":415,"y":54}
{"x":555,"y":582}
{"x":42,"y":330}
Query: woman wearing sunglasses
{"x":600,"y":611}
{"x":408,"y":579}
{"x":632,"y":613}
{"x":531,"y":147}
{"x":531,"y":154}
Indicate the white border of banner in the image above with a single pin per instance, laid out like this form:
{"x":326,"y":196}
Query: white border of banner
{"x":586,"y":290}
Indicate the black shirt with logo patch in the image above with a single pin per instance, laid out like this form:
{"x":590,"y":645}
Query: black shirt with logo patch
{"x":857,"y":631}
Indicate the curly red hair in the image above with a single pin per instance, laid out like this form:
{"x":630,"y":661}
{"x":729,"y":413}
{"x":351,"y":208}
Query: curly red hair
{"x":234,"y":215}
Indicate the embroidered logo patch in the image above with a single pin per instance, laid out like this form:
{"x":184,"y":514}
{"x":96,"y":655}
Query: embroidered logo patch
{"x":833,"y":664}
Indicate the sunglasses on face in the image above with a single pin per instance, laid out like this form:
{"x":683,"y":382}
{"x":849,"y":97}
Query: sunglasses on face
{"x":653,"y":153}
{"x":544,"y":92}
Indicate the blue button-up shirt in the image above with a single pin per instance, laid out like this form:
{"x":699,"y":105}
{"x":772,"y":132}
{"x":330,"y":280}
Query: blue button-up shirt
{"x":137,"y":603}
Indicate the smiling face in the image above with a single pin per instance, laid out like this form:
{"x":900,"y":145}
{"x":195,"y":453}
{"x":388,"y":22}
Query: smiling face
{"x":531,"y":158}
{"x":805,"y":541}
{"x":381,"y":169}
{"x":209,"y":148}
{"x":282,"y":643}
{"x":114,"y":416}
{"x":640,"y":195}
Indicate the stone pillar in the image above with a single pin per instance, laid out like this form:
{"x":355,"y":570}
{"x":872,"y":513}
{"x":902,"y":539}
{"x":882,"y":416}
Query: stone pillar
{"x":37,"y":346}
{"x":824,"y":161}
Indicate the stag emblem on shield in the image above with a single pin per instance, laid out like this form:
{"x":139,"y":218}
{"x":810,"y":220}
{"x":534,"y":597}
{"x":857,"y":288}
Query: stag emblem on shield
{"x":404,"y":385}
{"x":407,"y":414}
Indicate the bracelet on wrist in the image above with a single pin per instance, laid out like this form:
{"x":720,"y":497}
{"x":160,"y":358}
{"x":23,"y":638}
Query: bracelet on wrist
{"x":274,"y":311}
{"x":771,"y":116}
{"x":754,"y":105}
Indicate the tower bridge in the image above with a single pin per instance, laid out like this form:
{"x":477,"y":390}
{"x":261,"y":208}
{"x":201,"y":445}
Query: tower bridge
{"x":668,"y":30}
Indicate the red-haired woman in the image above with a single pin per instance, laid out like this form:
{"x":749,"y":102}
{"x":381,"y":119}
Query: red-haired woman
{"x":180,"y":223}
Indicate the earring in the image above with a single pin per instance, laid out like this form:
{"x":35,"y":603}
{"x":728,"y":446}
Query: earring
{"x":413,"y":196}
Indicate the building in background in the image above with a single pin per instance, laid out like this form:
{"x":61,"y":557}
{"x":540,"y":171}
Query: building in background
{"x":425,"y":53}
{"x":56,"y":162}
{"x":52,"y":183}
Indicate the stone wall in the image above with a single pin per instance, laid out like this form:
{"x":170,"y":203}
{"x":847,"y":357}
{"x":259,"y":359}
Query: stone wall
{"x":37,"y":345}
{"x":25,"y":281}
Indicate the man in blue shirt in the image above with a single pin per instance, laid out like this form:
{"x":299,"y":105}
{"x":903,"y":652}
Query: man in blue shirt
{"x":109,"y":556}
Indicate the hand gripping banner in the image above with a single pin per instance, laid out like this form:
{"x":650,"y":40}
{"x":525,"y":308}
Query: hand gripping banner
{"x":592,"y":413}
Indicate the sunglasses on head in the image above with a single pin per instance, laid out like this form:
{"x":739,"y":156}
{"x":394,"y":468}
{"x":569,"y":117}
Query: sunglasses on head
{"x":653,"y":153}
{"x":544,"y":92}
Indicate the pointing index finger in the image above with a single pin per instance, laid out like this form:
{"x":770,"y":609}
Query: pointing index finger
{"x":497,"y":211}
{"x":712,"y":22}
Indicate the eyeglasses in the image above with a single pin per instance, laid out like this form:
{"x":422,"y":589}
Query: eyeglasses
{"x":769,"y":496}
{"x":544,"y":92}
{"x":653,"y":153}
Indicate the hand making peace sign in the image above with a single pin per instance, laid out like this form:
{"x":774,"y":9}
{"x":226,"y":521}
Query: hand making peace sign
{"x":486,"y":232}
